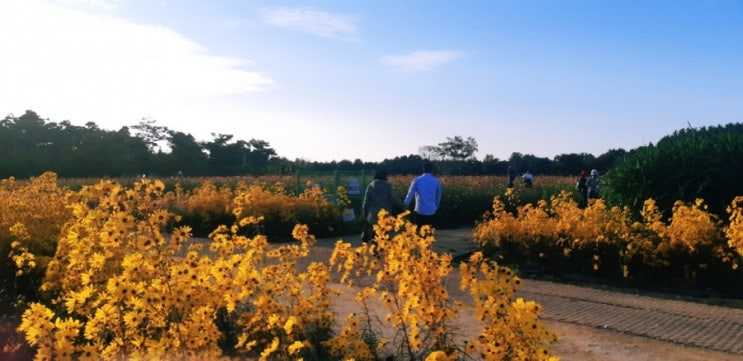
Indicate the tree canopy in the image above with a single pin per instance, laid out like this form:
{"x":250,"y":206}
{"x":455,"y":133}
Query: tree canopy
{"x":32,"y":145}
{"x":456,"y":148}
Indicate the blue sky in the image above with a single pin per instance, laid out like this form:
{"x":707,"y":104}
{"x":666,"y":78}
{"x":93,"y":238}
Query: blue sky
{"x":371,"y":80}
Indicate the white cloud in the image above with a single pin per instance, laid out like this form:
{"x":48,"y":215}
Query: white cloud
{"x":420,"y":60}
{"x":311,"y":21}
{"x":73,"y":63}
{"x":100,"y":4}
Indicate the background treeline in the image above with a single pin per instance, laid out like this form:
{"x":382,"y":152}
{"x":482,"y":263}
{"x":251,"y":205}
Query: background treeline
{"x":690,"y":163}
{"x":31,"y":145}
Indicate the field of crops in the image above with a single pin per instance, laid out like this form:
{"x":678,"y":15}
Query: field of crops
{"x":103,"y":269}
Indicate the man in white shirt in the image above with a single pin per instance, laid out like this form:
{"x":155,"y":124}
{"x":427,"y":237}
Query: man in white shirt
{"x":426,"y":189}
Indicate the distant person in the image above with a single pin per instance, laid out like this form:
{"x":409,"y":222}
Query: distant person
{"x":426,"y":189}
{"x":593,"y":185}
{"x":378,"y":196}
{"x":582,"y":189}
{"x":528,"y":179}
{"x":511,"y":176}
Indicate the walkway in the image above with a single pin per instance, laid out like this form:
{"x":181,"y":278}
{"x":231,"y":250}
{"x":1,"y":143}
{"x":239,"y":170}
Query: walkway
{"x":686,"y":323}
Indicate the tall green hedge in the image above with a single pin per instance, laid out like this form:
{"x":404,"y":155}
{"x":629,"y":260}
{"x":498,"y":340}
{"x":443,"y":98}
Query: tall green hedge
{"x":691,"y":163}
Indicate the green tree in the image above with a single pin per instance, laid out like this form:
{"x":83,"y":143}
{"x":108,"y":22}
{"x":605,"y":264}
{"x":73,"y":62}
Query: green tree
{"x":607,"y":160}
{"x":458,"y":148}
{"x":150,"y":133}
{"x":260,"y":155}
{"x":225,"y":156}
{"x":523,"y":162}
{"x":27,"y":151}
{"x":408,"y":164}
{"x":573,"y":163}
{"x":430,"y":152}
{"x":98,"y":152}
{"x":187,"y":156}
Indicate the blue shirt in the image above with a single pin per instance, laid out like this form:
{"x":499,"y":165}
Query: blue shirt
{"x":427,"y":192}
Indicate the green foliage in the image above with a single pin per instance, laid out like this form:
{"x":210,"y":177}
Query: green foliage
{"x":31,"y":145}
{"x":457,"y":148}
{"x":689,"y":164}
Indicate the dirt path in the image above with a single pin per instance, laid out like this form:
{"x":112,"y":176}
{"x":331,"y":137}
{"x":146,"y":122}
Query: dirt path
{"x":584,"y":343}
{"x":598,"y":324}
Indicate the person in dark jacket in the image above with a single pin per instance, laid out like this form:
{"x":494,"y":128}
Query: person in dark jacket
{"x":511,"y":176}
{"x":593,"y":185}
{"x":378,"y":196}
{"x":582,"y":189}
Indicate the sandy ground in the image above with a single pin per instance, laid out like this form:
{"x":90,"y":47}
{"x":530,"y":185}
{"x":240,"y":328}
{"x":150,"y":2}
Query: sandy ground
{"x":582,"y":343}
{"x":577,"y":342}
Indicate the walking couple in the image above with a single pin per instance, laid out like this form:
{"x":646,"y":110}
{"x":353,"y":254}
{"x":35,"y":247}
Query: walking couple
{"x":424,"y":192}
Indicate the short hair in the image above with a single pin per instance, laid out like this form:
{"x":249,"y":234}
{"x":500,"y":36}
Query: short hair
{"x":380,"y":174}
{"x":427,"y":167}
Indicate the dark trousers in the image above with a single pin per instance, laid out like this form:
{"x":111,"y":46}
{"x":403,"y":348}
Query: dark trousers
{"x":421,"y":220}
{"x":367,"y":234}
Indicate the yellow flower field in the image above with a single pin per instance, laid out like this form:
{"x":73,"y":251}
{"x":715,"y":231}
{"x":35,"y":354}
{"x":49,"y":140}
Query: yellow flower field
{"x":107,"y":270}
{"x":124,"y":282}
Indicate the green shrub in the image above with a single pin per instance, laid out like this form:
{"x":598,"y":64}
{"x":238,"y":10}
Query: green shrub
{"x":689,"y":164}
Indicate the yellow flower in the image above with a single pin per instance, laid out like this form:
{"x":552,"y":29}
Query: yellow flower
{"x":97,"y":260}
{"x":295,"y":347}
{"x":63,"y":349}
{"x":271,"y":349}
{"x":76,"y":299}
{"x":440,"y":356}
{"x":274,"y":320}
{"x":289,"y":325}
{"x":88,"y":353}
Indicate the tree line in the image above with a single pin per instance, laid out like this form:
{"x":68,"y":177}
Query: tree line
{"x":31,"y":145}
